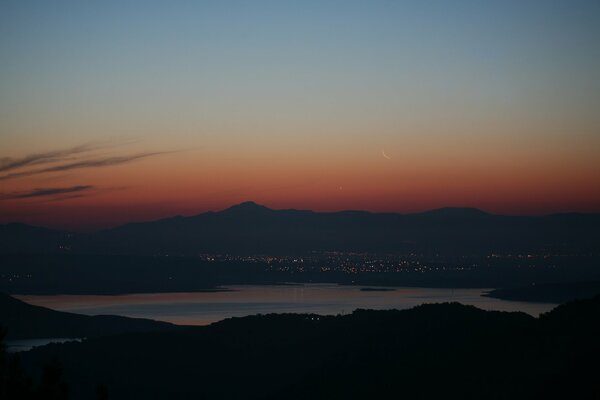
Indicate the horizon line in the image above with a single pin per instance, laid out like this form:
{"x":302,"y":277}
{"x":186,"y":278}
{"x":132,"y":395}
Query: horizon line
{"x":262,"y":206}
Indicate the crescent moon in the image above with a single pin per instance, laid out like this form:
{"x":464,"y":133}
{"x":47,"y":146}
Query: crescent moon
{"x":385,"y":155}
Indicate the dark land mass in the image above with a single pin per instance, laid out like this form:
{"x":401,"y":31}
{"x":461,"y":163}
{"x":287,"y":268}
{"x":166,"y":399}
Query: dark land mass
{"x":548,"y":292}
{"x":252,"y":244}
{"x":25,"y":321}
{"x":436,"y":351}
{"x":369,"y":289}
{"x":112,"y":274}
{"x":107,"y":275}
{"x":249,"y":228}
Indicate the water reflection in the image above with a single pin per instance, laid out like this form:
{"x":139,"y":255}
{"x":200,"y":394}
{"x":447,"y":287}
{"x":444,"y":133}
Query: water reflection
{"x":202,"y":308}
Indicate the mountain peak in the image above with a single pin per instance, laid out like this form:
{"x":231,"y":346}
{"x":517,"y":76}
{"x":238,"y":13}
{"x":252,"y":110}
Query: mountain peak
{"x":247,"y":206}
{"x":456,"y":212}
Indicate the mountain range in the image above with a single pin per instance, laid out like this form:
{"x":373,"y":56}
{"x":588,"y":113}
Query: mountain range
{"x":250,"y":228}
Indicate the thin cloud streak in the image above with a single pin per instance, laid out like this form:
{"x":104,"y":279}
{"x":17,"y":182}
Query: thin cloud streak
{"x":45,"y":192}
{"x":101,"y":162}
{"x":97,"y":163}
{"x":7,"y":163}
{"x":64,"y":198}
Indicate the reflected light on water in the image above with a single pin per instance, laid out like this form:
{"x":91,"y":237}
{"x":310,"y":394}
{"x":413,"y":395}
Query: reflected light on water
{"x":201,"y":308}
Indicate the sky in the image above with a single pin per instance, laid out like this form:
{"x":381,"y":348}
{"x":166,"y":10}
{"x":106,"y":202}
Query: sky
{"x":118,"y":111}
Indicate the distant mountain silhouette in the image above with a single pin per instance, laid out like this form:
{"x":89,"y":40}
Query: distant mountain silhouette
{"x":247,"y":207}
{"x":455,"y":212}
{"x":23,"y":238}
{"x":252,"y":228}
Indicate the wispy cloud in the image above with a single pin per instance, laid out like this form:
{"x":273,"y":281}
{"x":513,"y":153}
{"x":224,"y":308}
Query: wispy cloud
{"x":7,"y":163}
{"x":104,"y":162}
{"x":46,"y":192}
{"x":60,"y":155}
{"x":92,"y":163}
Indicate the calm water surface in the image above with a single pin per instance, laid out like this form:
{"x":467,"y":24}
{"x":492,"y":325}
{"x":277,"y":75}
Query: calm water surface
{"x":206,"y":307}
{"x":14,"y":346}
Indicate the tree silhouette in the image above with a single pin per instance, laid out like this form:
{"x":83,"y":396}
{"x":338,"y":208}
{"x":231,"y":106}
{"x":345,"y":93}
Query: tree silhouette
{"x":14,"y":384}
{"x":53,"y":387}
{"x":101,"y":392}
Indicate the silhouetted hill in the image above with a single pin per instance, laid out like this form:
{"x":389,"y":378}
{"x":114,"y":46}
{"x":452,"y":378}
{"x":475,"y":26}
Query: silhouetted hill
{"x":26,"y":321}
{"x":22,"y":238}
{"x":247,"y":208}
{"x":250,"y":228}
{"x":455,"y":212}
{"x":549,"y":292}
{"x":436,"y":351}
{"x":108,"y":274}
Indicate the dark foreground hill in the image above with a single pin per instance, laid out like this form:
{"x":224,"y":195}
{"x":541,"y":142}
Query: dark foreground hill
{"x":447,"y":351}
{"x":249,"y":228}
{"x":25,"y":321}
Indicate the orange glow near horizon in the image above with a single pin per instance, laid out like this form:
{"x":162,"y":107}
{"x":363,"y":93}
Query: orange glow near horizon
{"x":191,"y":182}
{"x":112,"y":113}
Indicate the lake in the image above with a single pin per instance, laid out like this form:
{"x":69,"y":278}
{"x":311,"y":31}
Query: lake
{"x":14,"y":346}
{"x":201,"y":308}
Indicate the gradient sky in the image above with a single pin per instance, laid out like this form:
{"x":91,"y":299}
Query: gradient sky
{"x":114,"y":111}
